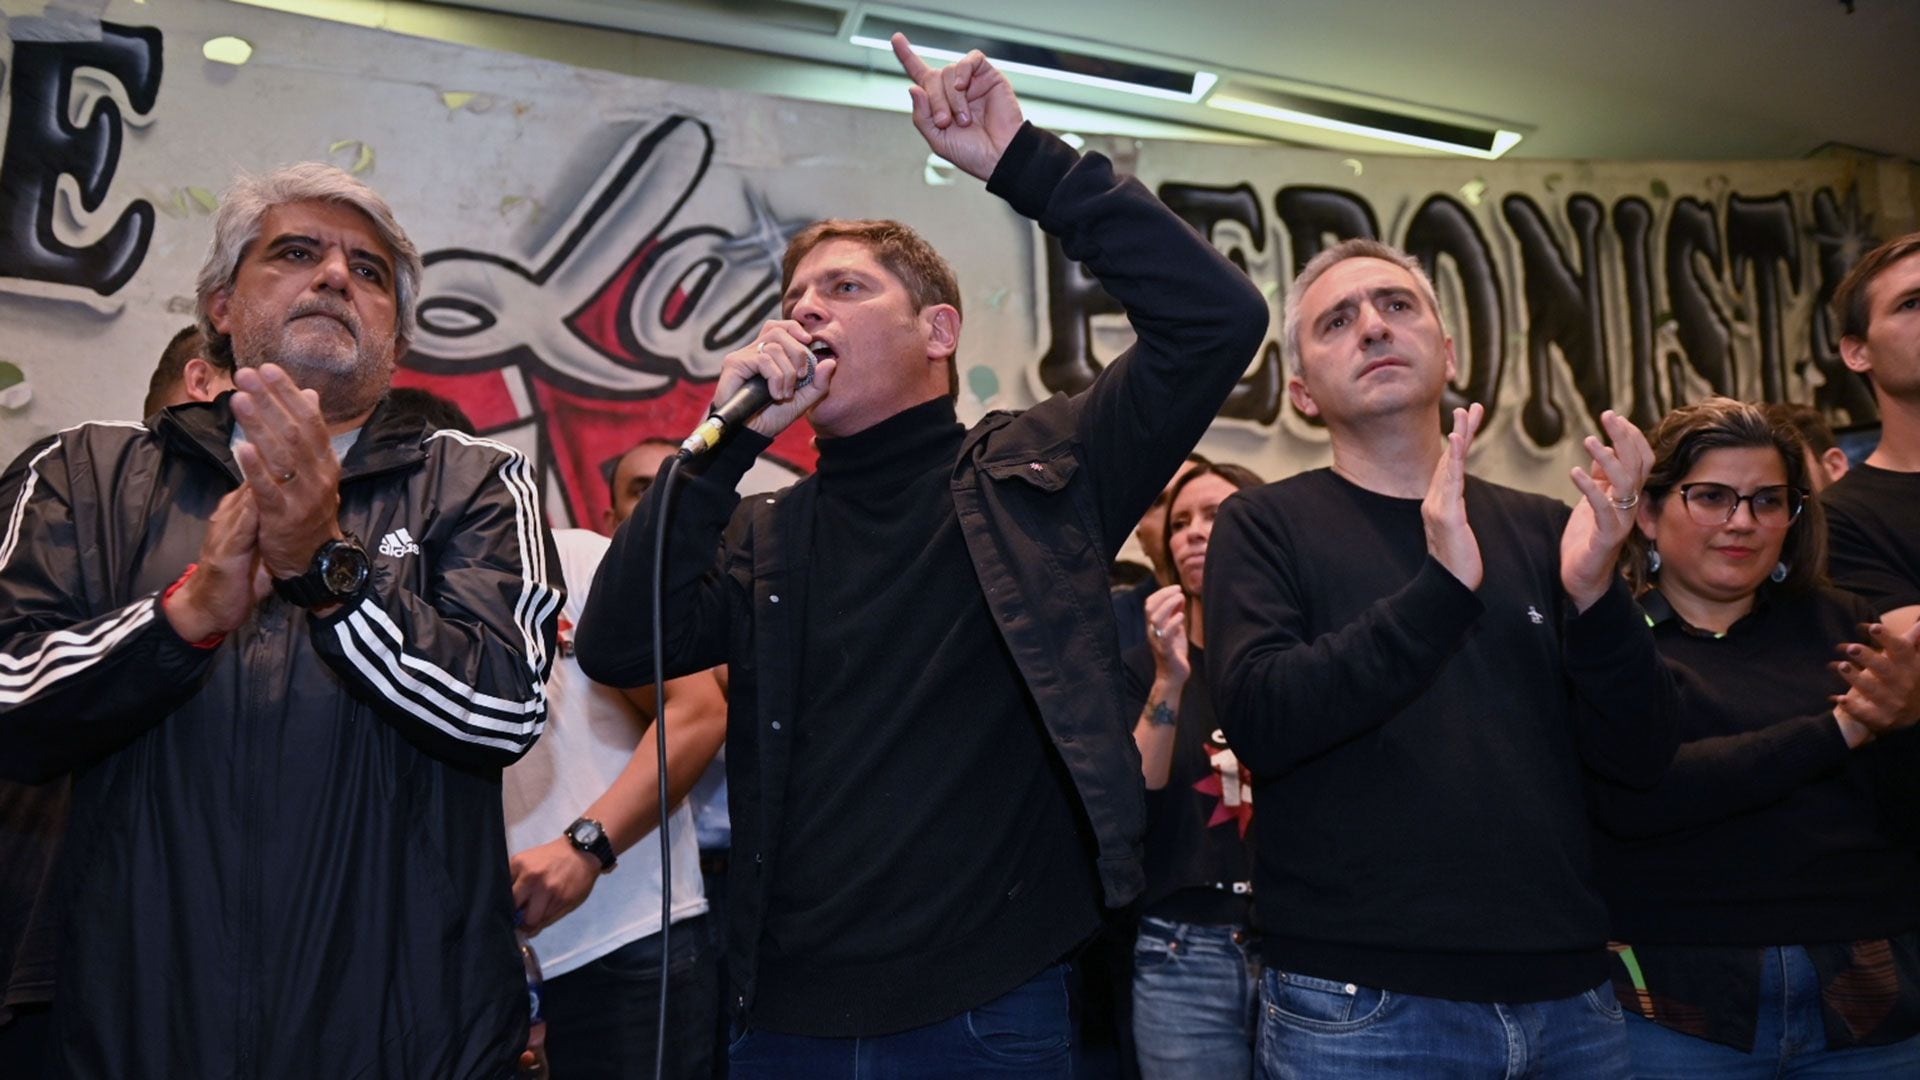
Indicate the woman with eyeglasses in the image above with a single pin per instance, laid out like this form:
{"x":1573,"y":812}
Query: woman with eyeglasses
{"x":1766,"y":894}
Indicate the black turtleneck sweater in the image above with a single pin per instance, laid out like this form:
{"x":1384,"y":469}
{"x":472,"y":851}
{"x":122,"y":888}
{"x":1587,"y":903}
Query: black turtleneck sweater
{"x":931,"y":852}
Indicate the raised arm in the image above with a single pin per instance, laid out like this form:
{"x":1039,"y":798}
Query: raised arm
{"x":1196,"y":318}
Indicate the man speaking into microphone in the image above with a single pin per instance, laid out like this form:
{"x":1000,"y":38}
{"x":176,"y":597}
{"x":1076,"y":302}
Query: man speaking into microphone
{"x":934,"y":789}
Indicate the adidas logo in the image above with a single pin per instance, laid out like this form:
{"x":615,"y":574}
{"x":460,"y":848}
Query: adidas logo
{"x":398,"y":543}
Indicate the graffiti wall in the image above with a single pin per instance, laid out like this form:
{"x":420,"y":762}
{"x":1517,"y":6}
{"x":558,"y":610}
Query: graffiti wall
{"x":596,"y":243}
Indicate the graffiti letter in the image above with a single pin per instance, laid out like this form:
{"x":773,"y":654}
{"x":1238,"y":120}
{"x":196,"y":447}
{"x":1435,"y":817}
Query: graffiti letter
{"x":1442,"y":227}
{"x":43,"y":144}
{"x":1074,"y":298}
{"x":1257,"y":396}
{"x":1632,"y":223}
{"x":1702,"y":328}
{"x":1761,"y":235}
{"x":1841,"y":233}
{"x":1564,"y":309}
{"x":1312,"y":214}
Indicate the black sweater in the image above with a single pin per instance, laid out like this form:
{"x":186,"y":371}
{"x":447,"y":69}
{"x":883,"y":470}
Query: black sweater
{"x":1767,"y":830}
{"x":936,"y":859}
{"x":1873,"y":535}
{"x":1417,"y":747}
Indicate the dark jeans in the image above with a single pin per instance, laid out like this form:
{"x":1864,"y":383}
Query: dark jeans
{"x":1324,"y":1029}
{"x":1027,"y":1032}
{"x":1789,"y":1040}
{"x":601,"y":1017}
{"x":1196,"y":996}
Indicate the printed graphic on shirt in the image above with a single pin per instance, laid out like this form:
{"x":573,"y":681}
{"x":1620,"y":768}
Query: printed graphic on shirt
{"x":566,"y":635}
{"x":397,"y":543}
{"x":1230,"y":783}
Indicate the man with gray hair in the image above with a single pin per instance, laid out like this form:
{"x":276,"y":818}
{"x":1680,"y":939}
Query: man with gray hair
{"x":285,"y":641}
{"x":1416,"y":666}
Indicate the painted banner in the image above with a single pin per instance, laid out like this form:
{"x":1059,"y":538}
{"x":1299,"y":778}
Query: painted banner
{"x":596,"y":243}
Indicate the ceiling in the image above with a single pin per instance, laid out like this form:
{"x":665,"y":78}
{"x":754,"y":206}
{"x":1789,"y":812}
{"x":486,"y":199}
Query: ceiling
{"x":1615,"y":79}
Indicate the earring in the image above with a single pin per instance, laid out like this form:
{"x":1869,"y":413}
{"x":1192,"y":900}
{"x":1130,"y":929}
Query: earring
{"x":1653,"y":560}
{"x":1780,"y":571}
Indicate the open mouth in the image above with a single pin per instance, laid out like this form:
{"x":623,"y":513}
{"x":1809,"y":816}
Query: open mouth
{"x":821,"y":350}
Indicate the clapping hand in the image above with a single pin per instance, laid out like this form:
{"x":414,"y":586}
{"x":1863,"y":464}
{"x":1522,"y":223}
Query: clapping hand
{"x":1450,"y":538}
{"x":1590,"y":546}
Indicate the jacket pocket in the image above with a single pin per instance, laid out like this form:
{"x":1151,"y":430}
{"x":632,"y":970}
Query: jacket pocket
{"x":1047,"y":470}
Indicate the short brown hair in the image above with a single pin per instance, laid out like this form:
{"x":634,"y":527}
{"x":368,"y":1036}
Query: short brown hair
{"x":186,"y":345}
{"x":1685,"y":435}
{"x":906,"y":255}
{"x":1809,"y":422}
{"x":1851,"y":310}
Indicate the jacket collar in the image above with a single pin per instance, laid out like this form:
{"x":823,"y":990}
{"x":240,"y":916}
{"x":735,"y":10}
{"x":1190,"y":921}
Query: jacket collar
{"x":388,"y":440}
{"x":1658,"y":609}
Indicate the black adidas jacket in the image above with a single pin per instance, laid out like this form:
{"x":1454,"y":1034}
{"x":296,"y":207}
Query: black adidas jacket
{"x":287,"y":855}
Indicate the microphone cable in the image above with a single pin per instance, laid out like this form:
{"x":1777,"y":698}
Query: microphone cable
{"x":668,"y":474}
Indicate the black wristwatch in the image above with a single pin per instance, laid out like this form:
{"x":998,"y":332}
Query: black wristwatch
{"x":589,"y":836}
{"x":339,"y":571}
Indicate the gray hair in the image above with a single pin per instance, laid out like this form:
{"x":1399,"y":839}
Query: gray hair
{"x":244,"y":206}
{"x":1359,"y":247}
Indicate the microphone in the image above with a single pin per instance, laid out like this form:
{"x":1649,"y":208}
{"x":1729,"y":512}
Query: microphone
{"x":743,"y":406}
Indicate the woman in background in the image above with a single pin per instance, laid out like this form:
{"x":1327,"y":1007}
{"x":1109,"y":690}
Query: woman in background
{"x":1764,"y":893}
{"x":1195,"y":991}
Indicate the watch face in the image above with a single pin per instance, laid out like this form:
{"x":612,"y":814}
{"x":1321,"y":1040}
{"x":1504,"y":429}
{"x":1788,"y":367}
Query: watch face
{"x":344,"y":569}
{"x":586,"y":832}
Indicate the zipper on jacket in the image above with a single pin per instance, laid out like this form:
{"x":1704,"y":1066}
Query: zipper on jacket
{"x":266,"y":660}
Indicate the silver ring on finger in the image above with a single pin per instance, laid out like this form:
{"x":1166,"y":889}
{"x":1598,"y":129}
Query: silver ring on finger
{"x":287,"y":477}
{"x":1159,"y":633}
{"x":1627,"y":503}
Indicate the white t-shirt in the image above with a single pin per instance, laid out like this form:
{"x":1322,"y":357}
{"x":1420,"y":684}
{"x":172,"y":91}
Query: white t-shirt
{"x":591,"y":733}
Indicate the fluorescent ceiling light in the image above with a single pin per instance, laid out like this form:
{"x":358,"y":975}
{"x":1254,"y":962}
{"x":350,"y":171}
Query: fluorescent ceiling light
{"x":1040,"y":61}
{"x":1449,"y":137}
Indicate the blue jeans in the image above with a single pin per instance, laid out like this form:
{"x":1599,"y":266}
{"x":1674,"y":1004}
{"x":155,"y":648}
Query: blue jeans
{"x":1027,"y":1032}
{"x":1195,"y":997}
{"x":1789,"y":1038}
{"x":1321,"y":1028}
{"x":602,"y":1016}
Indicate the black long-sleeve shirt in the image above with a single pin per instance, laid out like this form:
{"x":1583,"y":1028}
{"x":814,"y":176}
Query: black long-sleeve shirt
{"x":1766,"y":831}
{"x":1417,"y":747}
{"x":1873,"y":535}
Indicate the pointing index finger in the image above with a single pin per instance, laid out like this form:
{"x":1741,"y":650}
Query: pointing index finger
{"x":915,"y":67}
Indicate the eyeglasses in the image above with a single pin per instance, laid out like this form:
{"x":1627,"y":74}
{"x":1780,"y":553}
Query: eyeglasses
{"x":1715,"y":504}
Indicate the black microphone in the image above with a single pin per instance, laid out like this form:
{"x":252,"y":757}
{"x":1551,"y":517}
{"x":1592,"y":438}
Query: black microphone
{"x":743,"y":406}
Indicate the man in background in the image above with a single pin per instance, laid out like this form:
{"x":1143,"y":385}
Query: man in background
{"x":186,"y":373}
{"x":1826,"y":462}
{"x":1873,"y":513}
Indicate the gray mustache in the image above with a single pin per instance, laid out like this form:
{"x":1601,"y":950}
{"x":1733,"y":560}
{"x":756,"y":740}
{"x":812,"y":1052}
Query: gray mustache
{"x":340,"y":312}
